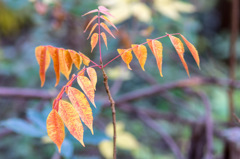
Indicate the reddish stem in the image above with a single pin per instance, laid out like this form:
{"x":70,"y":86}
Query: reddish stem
{"x":99,"y":40}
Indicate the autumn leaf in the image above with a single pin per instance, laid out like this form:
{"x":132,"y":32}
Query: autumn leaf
{"x":93,"y":28}
{"x":76,"y":58}
{"x":94,"y":41}
{"x":43,"y":59}
{"x":107,"y":20}
{"x":104,"y":10}
{"x":178,"y":45}
{"x":193,"y":50}
{"x":71,"y":119}
{"x":93,"y":76}
{"x":156,"y":48}
{"x":55,"y":128}
{"x":65,"y":62}
{"x":104,"y":38}
{"x":87,"y":88}
{"x":90,"y":12}
{"x":126,"y":56}
{"x":141,"y":53}
{"x":85,"y":59}
{"x":82,"y":106}
{"x":94,"y":18}
{"x":107,"y":29}
{"x":55,"y":57}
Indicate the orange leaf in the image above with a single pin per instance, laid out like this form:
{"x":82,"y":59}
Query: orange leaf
{"x":94,"y":18}
{"x":141,"y":53}
{"x":43,"y":59}
{"x":55,"y":57}
{"x":94,"y":41}
{"x":55,"y":128}
{"x":71,"y":119}
{"x":81,"y":73}
{"x":76,"y":58}
{"x":92,"y":11}
{"x":104,"y":38}
{"x":82,"y":106}
{"x":65,"y":61}
{"x":126,"y":56}
{"x":193,"y":51}
{"x":107,"y":20}
{"x":87,"y":88}
{"x":93,"y":76}
{"x":85,"y":59}
{"x":107,"y":29}
{"x":178,"y":45}
{"x":93,"y":28}
{"x":156,"y":48}
{"x":69,"y":83}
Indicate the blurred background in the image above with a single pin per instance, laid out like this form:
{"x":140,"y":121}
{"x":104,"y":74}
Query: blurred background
{"x":158,"y":118}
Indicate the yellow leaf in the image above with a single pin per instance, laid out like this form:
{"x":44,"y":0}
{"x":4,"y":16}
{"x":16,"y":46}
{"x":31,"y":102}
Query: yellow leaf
{"x":43,"y":59}
{"x":93,"y":76}
{"x":76,"y":58}
{"x":82,"y":106}
{"x":107,"y":29}
{"x":140,"y":52}
{"x":105,"y":148}
{"x":65,"y":61}
{"x":104,"y":38}
{"x":55,"y":57}
{"x":94,"y":41}
{"x":156,"y":48}
{"x":178,"y":45}
{"x":55,"y":128}
{"x":85,"y":59}
{"x":71,"y":119}
{"x":94,"y":18}
{"x":126,"y":56}
{"x":87,"y":88}
{"x":93,"y":28}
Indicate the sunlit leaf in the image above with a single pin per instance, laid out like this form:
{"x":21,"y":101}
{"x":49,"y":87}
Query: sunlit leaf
{"x":193,"y":51}
{"x":71,"y":119}
{"x":92,"y":11}
{"x":156,"y":48}
{"x":126,"y":56}
{"x":104,"y":38}
{"x":43,"y":59}
{"x":93,"y":76}
{"x":107,"y":20}
{"x":94,"y":18}
{"x":107,"y":29}
{"x":85,"y":59}
{"x":141,"y":53}
{"x":178,"y":45}
{"x":93,"y":28}
{"x":87,"y":88}
{"x":76,"y":58}
{"x":94,"y":41}
{"x":55,"y":57}
{"x":55,"y":128}
{"x":82,"y":106}
{"x":65,"y":61}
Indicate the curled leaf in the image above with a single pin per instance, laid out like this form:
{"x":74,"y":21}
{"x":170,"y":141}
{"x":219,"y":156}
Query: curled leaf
{"x":104,"y":38}
{"x":55,"y":57}
{"x":85,"y":59}
{"x":178,"y":45}
{"x":156,"y":48}
{"x":94,"y":41}
{"x":82,"y":106}
{"x":94,"y":18}
{"x":71,"y":119}
{"x":141,"y":53}
{"x":107,"y":29}
{"x":76,"y":58}
{"x":93,"y":76}
{"x":193,"y":50}
{"x":87,"y":88}
{"x":93,"y":28}
{"x":55,"y":128}
{"x":126,"y":56}
{"x":43,"y":59}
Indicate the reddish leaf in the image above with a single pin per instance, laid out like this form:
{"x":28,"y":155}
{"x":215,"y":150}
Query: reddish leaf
{"x":104,"y":38}
{"x":106,"y":13}
{"x":126,"y":56}
{"x":71,"y":119}
{"x":93,"y":28}
{"x":193,"y":51}
{"x":141,"y":53}
{"x":94,"y":18}
{"x":156,"y":48}
{"x":107,"y":29}
{"x":43,"y":59}
{"x":107,"y":20}
{"x":54,"y":54}
{"x":85,"y":59}
{"x":102,"y":8}
{"x":92,"y":11}
{"x":178,"y":45}
{"x":93,"y":76}
{"x":94,"y":41}
{"x":82,"y":106}
{"x":87,"y":88}
{"x":76,"y":58}
{"x":55,"y":128}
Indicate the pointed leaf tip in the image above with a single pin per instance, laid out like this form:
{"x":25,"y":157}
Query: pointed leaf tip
{"x":140,"y":52}
{"x":92,"y":11}
{"x":107,"y":29}
{"x":94,"y":41}
{"x":126,"y":56}
{"x":93,"y":76}
{"x":104,"y":38}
